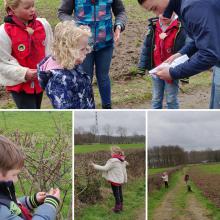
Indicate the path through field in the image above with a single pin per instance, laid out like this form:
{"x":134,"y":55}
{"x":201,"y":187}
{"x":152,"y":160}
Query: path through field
{"x":168,"y":209}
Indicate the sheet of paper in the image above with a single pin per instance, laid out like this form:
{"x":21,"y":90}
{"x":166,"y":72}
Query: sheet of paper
{"x":175,"y":63}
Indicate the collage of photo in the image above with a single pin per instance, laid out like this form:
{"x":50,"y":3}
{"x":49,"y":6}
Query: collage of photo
{"x":109,"y":110}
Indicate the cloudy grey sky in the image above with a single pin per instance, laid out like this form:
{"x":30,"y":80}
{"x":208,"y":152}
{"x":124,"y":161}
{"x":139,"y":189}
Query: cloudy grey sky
{"x":133,"y":121}
{"x":189,"y":129}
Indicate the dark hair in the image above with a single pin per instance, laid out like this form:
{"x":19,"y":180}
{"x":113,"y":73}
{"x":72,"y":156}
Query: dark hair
{"x":186,"y":178}
{"x":141,"y":1}
{"x":11,"y":156}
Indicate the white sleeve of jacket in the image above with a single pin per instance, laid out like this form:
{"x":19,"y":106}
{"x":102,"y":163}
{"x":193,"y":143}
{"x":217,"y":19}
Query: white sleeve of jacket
{"x":11,"y":72}
{"x":107,"y":166}
{"x":49,"y":35}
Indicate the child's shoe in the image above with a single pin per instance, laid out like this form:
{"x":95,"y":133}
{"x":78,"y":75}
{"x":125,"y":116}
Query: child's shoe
{"x":121,"y":206}
{"x":117,"y":208}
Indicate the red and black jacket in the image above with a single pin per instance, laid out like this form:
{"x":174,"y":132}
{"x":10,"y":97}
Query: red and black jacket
{"x":28,"y":48}
{"x":151,"y":54}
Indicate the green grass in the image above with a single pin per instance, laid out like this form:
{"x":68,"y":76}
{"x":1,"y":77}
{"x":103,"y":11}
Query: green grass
{"x":156,"y":197}
{"x":210,"y":168}
{"x":134,"y":204}
{"x":213,"y":210}
{"x":38,"y":123}
{"x":105,"y":147}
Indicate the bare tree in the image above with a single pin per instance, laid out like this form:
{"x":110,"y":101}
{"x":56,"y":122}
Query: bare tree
{"x":108,"y":132}
{"x":122,"y":132}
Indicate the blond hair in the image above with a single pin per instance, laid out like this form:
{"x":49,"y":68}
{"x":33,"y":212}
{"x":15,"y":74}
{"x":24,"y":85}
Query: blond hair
{"x":65,"y":47}
{"x":117,"y":150}
{"x":11,"y":4}
{"x":11,"y":156}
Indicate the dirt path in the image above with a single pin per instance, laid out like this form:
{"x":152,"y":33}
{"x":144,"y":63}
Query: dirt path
{"x":168,"y":210}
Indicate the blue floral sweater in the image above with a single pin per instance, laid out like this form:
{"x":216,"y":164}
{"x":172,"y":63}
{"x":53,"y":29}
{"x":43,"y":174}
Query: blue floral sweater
{"x":66,"y":89}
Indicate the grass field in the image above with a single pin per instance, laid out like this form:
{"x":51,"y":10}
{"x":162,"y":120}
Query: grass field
{"x":210,"y":168}
{"x":39,"y":123}
{"x":134,"y":206}
{"x":105,"y":147}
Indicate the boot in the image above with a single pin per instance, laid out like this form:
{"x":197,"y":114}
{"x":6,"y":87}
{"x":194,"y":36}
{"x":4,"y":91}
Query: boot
{"x":121,"y":206}
{"x":117,"y":208}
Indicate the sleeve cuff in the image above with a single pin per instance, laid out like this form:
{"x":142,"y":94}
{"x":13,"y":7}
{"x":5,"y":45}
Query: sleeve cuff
{"x":32,"y":202}
{"x":118,"y":24}
{"x":52,"y":201}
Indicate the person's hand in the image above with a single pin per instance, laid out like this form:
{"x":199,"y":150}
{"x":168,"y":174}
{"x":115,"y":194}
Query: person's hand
{"x":31,"y":74}
{"x":117,"y":34}
{"x":164,"y":73}
{"x":55,"y":193}
{"x":172,"y":58}
{"x":40,"y":196}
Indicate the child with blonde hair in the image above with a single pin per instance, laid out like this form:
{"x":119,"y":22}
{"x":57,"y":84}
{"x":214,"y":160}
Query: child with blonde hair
{"x":61,"y":75}
{"x":25,"y":40}
{"x":114,"y":171}
{"x":11,"y":163}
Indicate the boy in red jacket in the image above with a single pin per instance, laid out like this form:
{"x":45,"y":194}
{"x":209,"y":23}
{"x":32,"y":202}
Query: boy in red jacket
{"x":163,"y":39}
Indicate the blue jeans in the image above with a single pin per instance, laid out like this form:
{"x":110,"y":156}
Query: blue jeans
{"x":215,"y":90}
{"x":102,"y":60}
{"x":171,"y":90}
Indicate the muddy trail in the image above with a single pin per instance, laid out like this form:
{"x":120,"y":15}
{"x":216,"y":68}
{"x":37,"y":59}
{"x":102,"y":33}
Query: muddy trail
{"x":169,"y":210}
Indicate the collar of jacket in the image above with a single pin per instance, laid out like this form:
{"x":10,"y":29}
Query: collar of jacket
{"x":7,"y":191}
{"x":12,"y":19}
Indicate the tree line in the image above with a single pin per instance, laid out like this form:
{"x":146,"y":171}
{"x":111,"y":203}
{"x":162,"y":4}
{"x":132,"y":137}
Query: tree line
{"x":88,"y":137}
{"x":167,"y":156}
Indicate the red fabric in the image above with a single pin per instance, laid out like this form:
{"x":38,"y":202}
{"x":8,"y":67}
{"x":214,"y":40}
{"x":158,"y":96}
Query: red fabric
{"x":164,"y":47}
{"x":118,"y":156}
{"x":26,"y":213}
{"x":114,"y":184}
{"x":32,"y":53}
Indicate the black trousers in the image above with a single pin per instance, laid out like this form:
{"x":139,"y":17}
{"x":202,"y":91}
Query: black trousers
{"x":166,"y":184}
{"x":117,"y":192}
{"x":27,"y":101}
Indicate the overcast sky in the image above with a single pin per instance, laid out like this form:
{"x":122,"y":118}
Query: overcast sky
{"x":133,"y":121}
{"x":188,"y":129}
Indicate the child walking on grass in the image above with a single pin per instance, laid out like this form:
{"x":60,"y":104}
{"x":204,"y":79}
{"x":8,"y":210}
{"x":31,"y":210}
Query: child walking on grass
{"x":25,"y":40}
{"x":115,"y":173}
{"x":61,"y":74}
{"x":11,"y":163}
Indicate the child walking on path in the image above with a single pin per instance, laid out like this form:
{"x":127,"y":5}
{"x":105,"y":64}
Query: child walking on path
{"x":115,"y":173}
{"x":187,"y":180}
{"x":11,"y":163}
{"x":98,"y":16}
{"x":25,"y":40}
{"x":164,"y":38}
{"x":61,"y":75}
{"x":165,"y":179}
